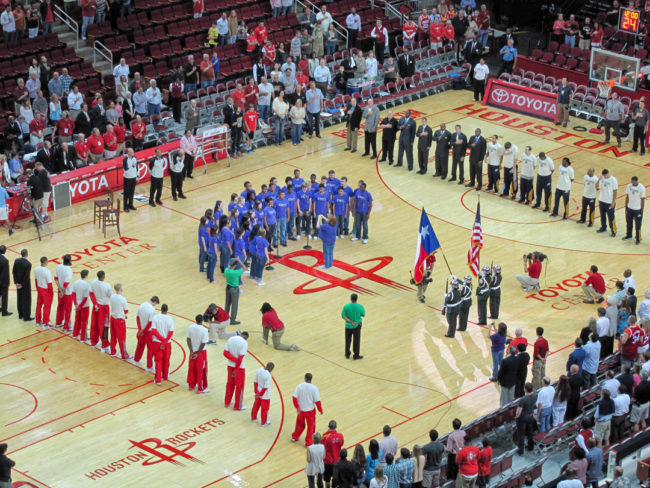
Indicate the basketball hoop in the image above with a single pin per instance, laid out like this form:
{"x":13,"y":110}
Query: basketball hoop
{"x":605,"y":87}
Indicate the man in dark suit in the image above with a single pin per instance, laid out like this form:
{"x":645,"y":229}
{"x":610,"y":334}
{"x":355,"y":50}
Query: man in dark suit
{"x":345,"y":472}
{"x":472,"y":53}
{"x":45,"y":156}
{"x":507,"y":376}
{"x":407,"y":136}
{"x":524,"y":358}
{"x":98,"y":116}
{"x":406,"y":64}
{"x":443,"y":139}
{"x":4,"y":281}
{"x":65,"y":157}
{"x":82,"y":122}
{"x":353,"y":116}
{"x":389,"y":124}
{"x":229,"y":116}
{"x":478,"y":146}
{"x":425,"y":137}
{"x":21,"y":271}
{"x":458,"y":151}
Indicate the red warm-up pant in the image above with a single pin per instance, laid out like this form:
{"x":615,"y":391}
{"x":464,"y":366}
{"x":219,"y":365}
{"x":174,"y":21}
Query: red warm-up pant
{"x":263,"y":406}
{"x":63,"y":311}
{"x":144,"y":341}
{"x":235,"y":385}
{"x":81,"y":323}
{"x":43,"y":305}
{"x":310,"y":419}
{"x":98,"y":322}
{"x":118,"y":336}
{"x":197,"y":372}
{"x":161,"y":353}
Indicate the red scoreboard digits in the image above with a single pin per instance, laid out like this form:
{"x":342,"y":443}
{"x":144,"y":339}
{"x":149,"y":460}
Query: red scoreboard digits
{"x":628,"y":20}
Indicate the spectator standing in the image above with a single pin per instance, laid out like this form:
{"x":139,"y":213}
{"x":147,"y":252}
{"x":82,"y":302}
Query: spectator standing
{"x":484,"y":463}
{"x":324,"y":17}
{"x":297,"y":116}
{"x":371,"y":114}
{"x":594,"y":463}
{"x":641,"y":402}
{"x":523,"y":359}
{"x":545,"y":405}
{"x":455,"y":441}
{"x":264,"y":99}
{"x":524,"y":419}
{"x":315,"y":456}
{"x":591,"y":360}
{"x":569,"y":475}
{"x":391,"y":471}
{"x":388,"y":444}
{"x":280,"y":110}
{"x":207,"y":71}
{"x":468,"y":468}
{"x":586,"y":30}
{"x":353,"y":117}
{"x":498,"y":339}
{"x":540,"y":354}
{"x":507,"y":376}
{"x":614,"y":112}
{"x":287,"y":5}
{"x":314,"y":107}
{"x":405,"y":467}
{"x":353,"y":24}
{"x":233,"y":27}
{"x":508,"y":55}
{"x":560,"y":399}
{"x":373,"y":460}
{"x":577,"y":356}
{"x":191,"y":73}
{"x":379,"y":35}
{"x":5,"y":467}
{"x":154,"y":99}
{"x":621,"y":410}
{"x":189,"y":146}
{"x":322,"y":76}
{"x":192,"y":117}
{"x":317,"y":40}
{"x":87,"y":15}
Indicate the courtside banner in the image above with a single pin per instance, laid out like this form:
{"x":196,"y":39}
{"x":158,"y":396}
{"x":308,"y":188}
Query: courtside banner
{"x":521,"y":99}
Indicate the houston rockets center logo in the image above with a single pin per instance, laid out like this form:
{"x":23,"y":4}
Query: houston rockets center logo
{"x":355,"y":271}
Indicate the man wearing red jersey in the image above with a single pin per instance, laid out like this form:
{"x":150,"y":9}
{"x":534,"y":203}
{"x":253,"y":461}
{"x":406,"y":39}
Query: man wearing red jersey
{"x":110,"y":143}
{"x":197,"y":8}
{"x":484,"y":463}
{"x":594,"y":286}
{"x":302,"y":79}
{"x":139,"y":130}
{"x":333,"y":442}
{"x":64,"y":128}
{"x":120,"y":135}
{"x":448,"y":32}
{"x":36,"y":128}
{"x":435,"y":33}
{"x":251,"y":42}
{"x":467,"y":461}
{"x":409,"y":30}
{"x":631,"y":339}
{"x":423,"y":24}
{"x":81,"y":146}
{"x":238,"y":95}
{"x":268,"y":52}
{"x":261,"y":33}
{"x":250,"y":124}
{"x":96,"y":146}
{"x":162,"y":330}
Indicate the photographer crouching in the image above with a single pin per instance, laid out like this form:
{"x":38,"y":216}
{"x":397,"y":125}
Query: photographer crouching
{"x":533,"y":268}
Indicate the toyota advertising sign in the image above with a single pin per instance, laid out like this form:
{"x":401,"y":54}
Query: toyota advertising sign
{"x":521,"y":99}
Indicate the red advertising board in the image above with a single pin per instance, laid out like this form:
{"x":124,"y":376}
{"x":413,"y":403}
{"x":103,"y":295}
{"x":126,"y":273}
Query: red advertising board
{"x":521,"y":99}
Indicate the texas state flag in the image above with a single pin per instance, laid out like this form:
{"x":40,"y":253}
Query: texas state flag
{"x":427,"y":245}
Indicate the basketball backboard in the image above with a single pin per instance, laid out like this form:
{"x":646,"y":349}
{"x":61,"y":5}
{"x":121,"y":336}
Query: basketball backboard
{"x":608,"y":65}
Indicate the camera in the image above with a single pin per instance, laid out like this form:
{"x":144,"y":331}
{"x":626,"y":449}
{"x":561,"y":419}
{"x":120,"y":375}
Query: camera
{"x":541,"y":256}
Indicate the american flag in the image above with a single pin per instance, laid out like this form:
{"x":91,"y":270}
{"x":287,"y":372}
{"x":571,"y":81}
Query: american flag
{"x":475,"y":244}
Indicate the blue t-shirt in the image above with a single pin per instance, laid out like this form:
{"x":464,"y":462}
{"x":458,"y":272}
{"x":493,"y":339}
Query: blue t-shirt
{"x":258,"y":216}
{"x":216,"y":217}
{"x":320,"y":203}
{"x":340,"y":202}
{"x":203,"y":233}
{"x":371,"y":464}
{"x":327,"y":233}
{"x":291,"y":198}
{"x":304,"y":200}
{"x":498,"y":342}
{"x":314,"y":187}
{"x":226,"y":236}
{"x":348,"y":191}
{"x":213,"y":244}
{"x":297,"y":183}
{"x":363,"y":199}
{"x":247,"y":233}
{"x":281,"y":205}
{"x":262,"y":197}
{"x":245,"y":194}
{"x":274,"y":193}
{"x":231,"y":205}
{"x":271,"y":216}
{"x":242,"y":210}
{"x":332,"y":185}
{"x":240,"y":247}
{"x":258,"y":245}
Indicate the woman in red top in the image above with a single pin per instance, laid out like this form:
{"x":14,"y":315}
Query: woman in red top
{"x":110,"y":142}
{"x":65,"y":128}
{"x":120,"y":135}
{"x":484,"y":463}
{"x":597,"y":35}
{"x":139,"y":130}
{"x":558,"y":28}
{"x":270,"y":321}
{"x":251,"y":42}
{"x":96,"y":146}
{"x":250,"y":124}
{"x":81,"y":146}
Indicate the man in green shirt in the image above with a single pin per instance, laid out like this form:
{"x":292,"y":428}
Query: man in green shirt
{"x":233,"y":275}
{"x":353,"y":314}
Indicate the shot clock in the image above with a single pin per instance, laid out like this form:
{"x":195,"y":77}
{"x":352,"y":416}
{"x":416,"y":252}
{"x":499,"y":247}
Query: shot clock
{"x":628,"y":20}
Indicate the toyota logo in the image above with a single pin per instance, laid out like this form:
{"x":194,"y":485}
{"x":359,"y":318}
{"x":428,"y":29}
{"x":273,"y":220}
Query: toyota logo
{"x":499,"y":95}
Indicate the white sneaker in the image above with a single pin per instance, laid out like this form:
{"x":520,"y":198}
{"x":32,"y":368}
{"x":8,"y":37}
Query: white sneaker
{"x":247,"y":272}
{"x":268,"y":422}
{"x":354,"y":239}
{"x":76,"y":337}
{"x":315,"y":238}
{"x":253,"y":420}
{"x":309,"y":237}
{"x":207,"y":390}
{"x":105,"y":350}
{"x":241,"y":291}
{"x":150,"y":370}
{"x":157,"y":383}
{"x":260,"y":283}
{"x":365,"y":241}
{"x":298,"y":237}
{"x":294,"y":347}
{"x":114,"y":355}
{"x":136,"y":363}
{"x":243,"y":407}
{"x":128,"y":358}
{"x":264,"y":340}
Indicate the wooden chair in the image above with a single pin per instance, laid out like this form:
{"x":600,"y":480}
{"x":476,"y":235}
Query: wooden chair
{"x":111,"y":218}
{"x":101,"y":205}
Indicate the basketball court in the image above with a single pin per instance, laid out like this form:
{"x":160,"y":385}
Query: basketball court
{"x":75,"y":417}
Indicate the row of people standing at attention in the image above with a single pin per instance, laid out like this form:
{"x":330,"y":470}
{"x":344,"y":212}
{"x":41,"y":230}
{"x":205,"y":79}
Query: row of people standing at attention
{"x":254,"y":223}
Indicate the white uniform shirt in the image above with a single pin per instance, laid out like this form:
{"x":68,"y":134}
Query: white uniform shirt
{"x":528,"y":166}
{"x":481,"y":71}
{"x":545,"y":166}
{"x":146,"y":313}
{"x":590,"y":186}
{"x":263,"y":381}
{"x":63,"y":274}
{"x":494,"y":153}
{"x":634,"y":195}
{"x":81,"y":290}
{"x":164,"y":324}
{"x":607,"y":187}
{"x":158,"y":170}
{"x":629,"y":283}
{"x":102,"y":291}
{"x":119,"y":306}
{"x":177,"y":164}
{"x":237,"y":346}
{"x":131,"y":170}
{"x":43,"y":277}
{"x":564,"y":178}
{"x":307,"y":396}
{"x":197,"y":334}
{"x":510,"y":156}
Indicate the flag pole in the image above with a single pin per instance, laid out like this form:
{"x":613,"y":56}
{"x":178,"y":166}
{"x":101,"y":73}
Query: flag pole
{"x":479,"y":256}
{"x":441,"y":250}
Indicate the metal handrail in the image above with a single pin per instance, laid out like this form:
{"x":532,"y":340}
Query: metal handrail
{"x":72,"y":24}
{"x":390,"y":9}
{"x":103,"y":51}
{"x":340,"y":30}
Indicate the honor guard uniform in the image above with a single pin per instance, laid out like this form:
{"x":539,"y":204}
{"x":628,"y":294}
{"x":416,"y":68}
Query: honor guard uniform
{"x":545,"y":168}
{"x":426,"y":277}
{"x":510,"y":154}
{"x":495,"y":292}
{"x":482,"y":295}
{"x":527,"y":174}
{"x":465,"y":304}
{"x":452,"y":306}
{"x":589,"y":198}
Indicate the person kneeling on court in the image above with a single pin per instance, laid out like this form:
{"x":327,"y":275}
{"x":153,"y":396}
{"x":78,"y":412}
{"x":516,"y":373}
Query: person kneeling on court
{"x":197,"y":369}
{"x":218,"y":319}
{"x":271,"y":321}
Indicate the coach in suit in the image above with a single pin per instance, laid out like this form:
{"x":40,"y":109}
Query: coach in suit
{"x":389,"y":124}
{"x":406,"y":137}
{"x":425,"y":137}
{"x":472,"y":53}
{"x":65,"y":158}
{"x":4,"y":281}
{"x":458,"y":151}
{"x":229,"y":116}
{"x":406,"y":64}
{"x":21,"y":271}
{"x":82,"y":122}
{"x":478,"y":146}
{"x":443,"y":139}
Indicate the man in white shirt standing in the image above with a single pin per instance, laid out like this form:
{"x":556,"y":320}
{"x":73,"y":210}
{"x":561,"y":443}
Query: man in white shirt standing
{"x":8,"y":22}
{"x":545,"y":404}
{"x":589,"y":197}
{"x":235,"y":353}
{"x":119,"y":70}
{"x":608,"y":187}
{"x":81,"y":296}
{"x":322,"y":76}
{"x":563,"y":187}
{"x":262,"y":386}
{"x":510,"y":155}
{"x":130,"y":176}
{"x":157,"y":170}
{"x":119,"y":311}
{"x":325,"y":18}
{"x":146,"y":313}
{"x":100,"y":294}
{"x":154,"y":99}
{"x":45,"y":294}
{"x":197,"y":367}
{"x":63,"y":279}
{"x":527,"y":175}
{"x":353,"y":23}
{"x":634,"y":205}
{"x":545,"y":168}
{"x":162,"y":330}
{"x":306,"y":399}
{"x":493,"y":158}
{"x":75,"y":101}
{"x":621,"y":410}
{"x":481,"y":73}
